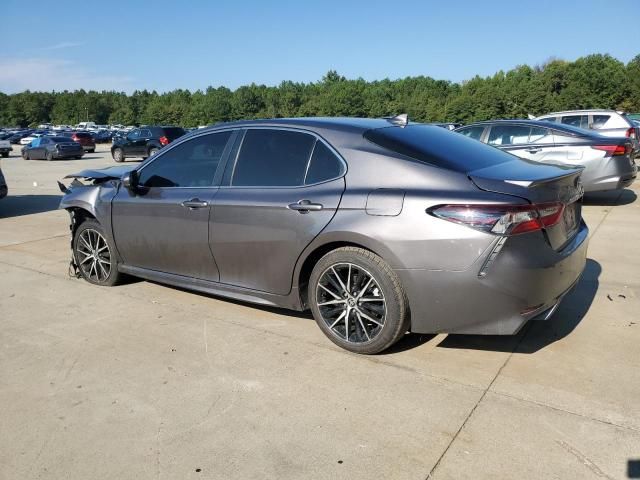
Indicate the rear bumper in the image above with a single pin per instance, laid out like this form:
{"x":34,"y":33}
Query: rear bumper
{"x":526,"y":281}
{"x":75,"y":153}
{"x":615,"y":175}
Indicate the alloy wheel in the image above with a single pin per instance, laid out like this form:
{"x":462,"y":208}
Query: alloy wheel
{"x":351,"y":303}
{"x":94,"y":256}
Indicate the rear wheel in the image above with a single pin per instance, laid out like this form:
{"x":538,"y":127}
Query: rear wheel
{"x":5,"y":155}
{"x":91,"y":150}
{"x":94,"y":255}
{"x":25,"y":155}
{"x":118,"y":155}
{"x":358,"y":301}
{"x":153,"y":151}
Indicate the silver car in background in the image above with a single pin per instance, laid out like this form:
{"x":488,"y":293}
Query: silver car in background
{"x":377,"y":226}
{"x":609,"y":123}
{"x":607,"y":161}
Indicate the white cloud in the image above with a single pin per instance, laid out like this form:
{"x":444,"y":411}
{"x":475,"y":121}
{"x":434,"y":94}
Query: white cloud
{"x":43,"y":74}
{"x":62,"y":45}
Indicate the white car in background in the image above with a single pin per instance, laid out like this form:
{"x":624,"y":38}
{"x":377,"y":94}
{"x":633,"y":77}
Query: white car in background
{"x":30,"y":138}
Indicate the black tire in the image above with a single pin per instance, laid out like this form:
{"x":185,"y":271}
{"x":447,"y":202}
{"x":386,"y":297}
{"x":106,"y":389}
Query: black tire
{"x":78,"y":157}
{"x":48,"y":156}
{"x":118,"y":155}
{"x":5,"y":155}
{"x":153,"y":151}
{"x":92,"y":150}
{"x":25,"y":155}
{"x":387,"y":289}
{"x":103,"y":270}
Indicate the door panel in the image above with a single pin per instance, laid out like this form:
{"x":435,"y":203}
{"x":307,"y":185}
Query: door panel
{"x":257,"y":238}
{"x":155,"y":231}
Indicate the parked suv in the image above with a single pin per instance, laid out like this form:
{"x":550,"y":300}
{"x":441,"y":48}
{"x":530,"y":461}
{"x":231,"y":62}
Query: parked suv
{"x":607,"y":161}
{"x":86,"y":140}
{"x":607,"y":122}
{"x":143,"y":142}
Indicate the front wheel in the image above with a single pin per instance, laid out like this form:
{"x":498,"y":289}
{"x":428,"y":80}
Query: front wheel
{"x":25,"y":155}
{"x":94,"y":255}
{"x":49,"y":156}
{"x":358,"y":301}
{"x":118,"y":155}
{"x":153,"y":151}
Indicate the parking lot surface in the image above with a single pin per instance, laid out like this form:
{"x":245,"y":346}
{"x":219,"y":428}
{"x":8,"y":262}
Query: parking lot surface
{"x":148,"y":381}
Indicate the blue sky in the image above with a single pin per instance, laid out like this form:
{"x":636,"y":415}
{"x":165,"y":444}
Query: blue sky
{"x":163,"y":45}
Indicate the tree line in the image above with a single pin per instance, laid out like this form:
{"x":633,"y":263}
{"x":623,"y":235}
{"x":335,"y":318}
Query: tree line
{"x":594,"y":81}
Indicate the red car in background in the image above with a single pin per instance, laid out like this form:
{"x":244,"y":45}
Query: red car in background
{"x":86,"y":140}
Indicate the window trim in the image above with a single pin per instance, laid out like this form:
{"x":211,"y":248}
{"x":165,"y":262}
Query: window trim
{"x":234,"y":161}
{"x":222,"y":165}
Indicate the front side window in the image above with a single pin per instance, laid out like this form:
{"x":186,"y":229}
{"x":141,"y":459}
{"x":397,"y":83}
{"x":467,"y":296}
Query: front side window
{"x":472,"y":132}
{"x":272,"y":158}
{"x":133,"y":134}
{"x":191,"y":164}
{"x":502,"y":135}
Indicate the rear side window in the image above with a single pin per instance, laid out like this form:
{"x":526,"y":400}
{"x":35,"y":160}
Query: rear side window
{"x":580,"y":121}
{"x":272,"y":158}
{"x":324,"y":165}
{"x":550,"y":119}
{"x":502,"y":135}
{"x":540,"y":135}
{"x":190,"y":164}
{"x":438,"y":147}
{"x":472,"y":132}
{"x":600,"y":120}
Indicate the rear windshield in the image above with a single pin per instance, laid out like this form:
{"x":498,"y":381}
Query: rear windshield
{"x":173,"y":132}
{"x":60,"y":139}
{"x":439,"y":147}
{"x":82,"y":135}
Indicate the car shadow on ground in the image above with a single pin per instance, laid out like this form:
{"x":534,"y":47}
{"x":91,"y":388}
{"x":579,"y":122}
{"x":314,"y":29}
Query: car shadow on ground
{"x":536,"y":335}
{"x":610,"y":198}
{"x":18,"y":205}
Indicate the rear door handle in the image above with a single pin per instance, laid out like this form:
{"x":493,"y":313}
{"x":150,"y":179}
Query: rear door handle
{"x":305,"y":206}
{"x":533,"y":150}
{"x":194,"y":203}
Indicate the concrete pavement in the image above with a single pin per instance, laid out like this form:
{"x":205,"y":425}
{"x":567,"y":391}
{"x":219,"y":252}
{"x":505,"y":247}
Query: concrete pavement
{"x":148,"y":381}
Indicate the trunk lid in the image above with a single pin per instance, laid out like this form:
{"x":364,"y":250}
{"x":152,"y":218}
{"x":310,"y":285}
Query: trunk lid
{"x":539,"y":184}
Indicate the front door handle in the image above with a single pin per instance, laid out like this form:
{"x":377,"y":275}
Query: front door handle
{"x":533,"y":150}
{"x":194,"y":203}
{"x":305,"y":206}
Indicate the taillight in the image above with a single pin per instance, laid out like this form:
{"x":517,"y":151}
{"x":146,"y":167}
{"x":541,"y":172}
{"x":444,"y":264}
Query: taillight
{"x":630,"y":133}
{"x":502,"y":219}
{"x":164,"y":140}
{"x":613,"y":150}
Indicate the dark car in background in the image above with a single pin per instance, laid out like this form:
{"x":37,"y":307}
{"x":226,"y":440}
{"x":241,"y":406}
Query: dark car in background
{"x":3,"y":185}
{"x":377,"y":226}
{"x":103,"y":136}
{"x":144,"y":141}
{"x":608,"y":161}
{"x":52,"y":148}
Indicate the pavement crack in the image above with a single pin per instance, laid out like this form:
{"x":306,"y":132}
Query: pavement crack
{"x":586,"y":461}
{"x":472,"y":411}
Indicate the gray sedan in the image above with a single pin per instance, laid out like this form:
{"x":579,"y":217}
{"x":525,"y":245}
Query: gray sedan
{"x":377,"y":226}
{"x":608,"y":162}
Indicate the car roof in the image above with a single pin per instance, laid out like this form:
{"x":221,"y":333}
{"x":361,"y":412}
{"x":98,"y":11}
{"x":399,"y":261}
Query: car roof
{"x":537,"y":123}
{"x":353,"y":124}
{"x":586,"y":110}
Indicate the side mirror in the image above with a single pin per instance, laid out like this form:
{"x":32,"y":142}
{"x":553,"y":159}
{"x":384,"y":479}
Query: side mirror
{"x":130,"y":180}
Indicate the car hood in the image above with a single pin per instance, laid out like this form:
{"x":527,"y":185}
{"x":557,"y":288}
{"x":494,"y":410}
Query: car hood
{"x":110,"y":173}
